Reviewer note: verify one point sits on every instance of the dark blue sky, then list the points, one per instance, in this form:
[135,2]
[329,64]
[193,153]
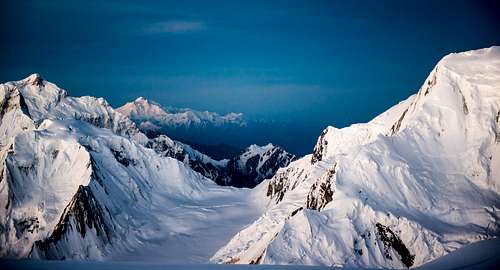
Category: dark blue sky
[303,64]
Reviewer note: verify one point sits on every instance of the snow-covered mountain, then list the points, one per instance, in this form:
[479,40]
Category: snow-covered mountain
[151,117]
[415,183]
[78,181]
[247,169]
[257,163]
[192,127]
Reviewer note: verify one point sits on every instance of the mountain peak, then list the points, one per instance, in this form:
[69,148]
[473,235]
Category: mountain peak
[142,109]
[34,79]
[141,100]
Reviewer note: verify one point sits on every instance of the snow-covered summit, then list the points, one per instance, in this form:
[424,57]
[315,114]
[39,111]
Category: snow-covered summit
[45,100]
[257,163]
[142,111]
[416,182]
[34,79]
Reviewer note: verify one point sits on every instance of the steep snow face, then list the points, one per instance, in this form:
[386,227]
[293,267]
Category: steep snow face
[208,167]
[78,182]
[151,117]
[41,173]
[413,184]
[257,163]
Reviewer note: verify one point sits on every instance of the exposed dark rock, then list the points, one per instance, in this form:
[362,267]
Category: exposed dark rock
[24,106]
[237,173]
[36,80]
[257,167]
[296,211]
[55,153]
[321,192]
[280,183]
[30,225]
[82,213]
[13,100]
[121,157]
[165,148]
[497,131]
[319,148]
[278,159]
[357,249]
[397,125]
[391,240]
[278,186]
[240,175]
[258,260]
[465,108]
[431,82]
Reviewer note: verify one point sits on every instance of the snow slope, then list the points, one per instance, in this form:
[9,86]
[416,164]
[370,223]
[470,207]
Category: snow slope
[415,183]
[79,182]
[481,255]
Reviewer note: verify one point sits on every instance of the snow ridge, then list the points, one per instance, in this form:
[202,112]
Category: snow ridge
[151,116]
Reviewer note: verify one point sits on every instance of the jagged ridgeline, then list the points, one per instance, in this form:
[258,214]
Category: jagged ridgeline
[247,169]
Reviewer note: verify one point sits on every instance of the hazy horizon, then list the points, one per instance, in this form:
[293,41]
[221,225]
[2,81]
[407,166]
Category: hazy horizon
[300,65]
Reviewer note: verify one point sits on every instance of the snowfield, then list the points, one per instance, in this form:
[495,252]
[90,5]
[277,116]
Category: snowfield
[80,181]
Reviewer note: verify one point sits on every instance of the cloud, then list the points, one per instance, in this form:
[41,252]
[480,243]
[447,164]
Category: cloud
[175,27]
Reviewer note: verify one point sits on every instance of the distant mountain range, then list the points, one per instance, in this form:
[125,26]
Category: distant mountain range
[153,118]
[185,125]
[203,129]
